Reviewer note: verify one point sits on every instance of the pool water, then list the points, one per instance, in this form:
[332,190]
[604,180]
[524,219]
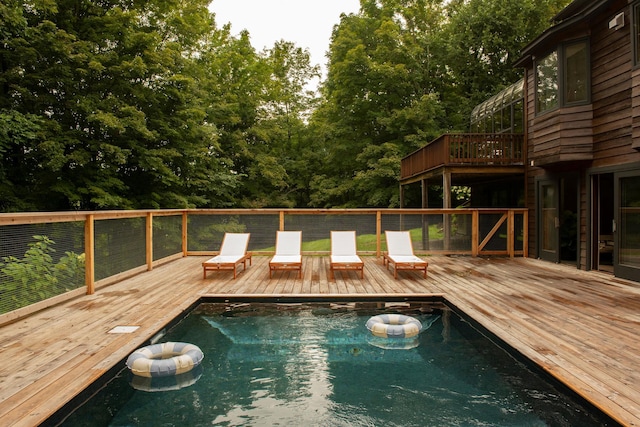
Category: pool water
[317,365]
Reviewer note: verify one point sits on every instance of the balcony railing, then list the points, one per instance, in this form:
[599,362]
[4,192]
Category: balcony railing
[479,149]
[49,257]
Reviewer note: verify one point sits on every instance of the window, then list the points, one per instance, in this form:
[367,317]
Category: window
[547,83]
[575,73]
[567,84]
[501,113]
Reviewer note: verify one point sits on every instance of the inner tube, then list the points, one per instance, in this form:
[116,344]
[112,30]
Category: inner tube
[171,383]
[394,326]
[164,359]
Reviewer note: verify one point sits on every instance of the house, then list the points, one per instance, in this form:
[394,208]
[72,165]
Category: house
[581,138]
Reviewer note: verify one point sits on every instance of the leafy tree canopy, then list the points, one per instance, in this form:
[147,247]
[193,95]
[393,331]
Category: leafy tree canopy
[125,104]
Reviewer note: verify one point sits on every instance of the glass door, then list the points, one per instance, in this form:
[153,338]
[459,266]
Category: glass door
[548,220]
[627,226]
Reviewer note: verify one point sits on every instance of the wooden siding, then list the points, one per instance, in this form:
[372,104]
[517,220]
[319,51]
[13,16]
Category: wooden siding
[581,327]
[611,68]
[562,135]
[566,140]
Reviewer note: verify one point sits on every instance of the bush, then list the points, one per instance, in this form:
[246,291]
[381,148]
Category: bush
[36,277]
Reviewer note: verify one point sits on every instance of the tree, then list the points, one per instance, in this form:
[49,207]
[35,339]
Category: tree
[483,38]
[379,101]
[278,134]
[115,87]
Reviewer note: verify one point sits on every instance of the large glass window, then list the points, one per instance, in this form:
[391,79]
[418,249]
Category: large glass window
[576,73]
[565,84]
[547,82]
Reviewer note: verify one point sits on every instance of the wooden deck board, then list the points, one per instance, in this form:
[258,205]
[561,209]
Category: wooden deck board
[583,327]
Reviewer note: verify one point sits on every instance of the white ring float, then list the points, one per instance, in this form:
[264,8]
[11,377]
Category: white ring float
[394,326]
[165,359]
[170,383]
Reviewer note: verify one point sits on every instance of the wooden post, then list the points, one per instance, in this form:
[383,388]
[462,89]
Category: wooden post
[475,232]
[378,234]
[89,254]
[185,243]
[149,241]
[424,189]
[511,238]
[525,233]
[281,220]
[446,199]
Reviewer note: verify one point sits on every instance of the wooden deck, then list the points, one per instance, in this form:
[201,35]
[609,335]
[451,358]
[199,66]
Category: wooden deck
[582,327]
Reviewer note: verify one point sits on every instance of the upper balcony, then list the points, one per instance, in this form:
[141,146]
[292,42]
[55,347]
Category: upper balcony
[487,153]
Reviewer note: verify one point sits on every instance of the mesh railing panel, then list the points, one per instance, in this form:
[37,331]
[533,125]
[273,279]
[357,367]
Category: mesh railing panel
[316,229]
[205,232]
[120,245]
[498,242]
[39,261]
[428,232]
[167,236]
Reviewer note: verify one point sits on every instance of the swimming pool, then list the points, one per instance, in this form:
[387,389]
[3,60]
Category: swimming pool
[317,365]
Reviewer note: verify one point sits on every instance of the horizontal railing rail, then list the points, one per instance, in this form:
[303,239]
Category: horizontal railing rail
[465,149]
[46,257]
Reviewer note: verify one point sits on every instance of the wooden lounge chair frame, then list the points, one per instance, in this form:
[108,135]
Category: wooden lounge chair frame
[400,253]
[288,252]
[343,253]
[233,252]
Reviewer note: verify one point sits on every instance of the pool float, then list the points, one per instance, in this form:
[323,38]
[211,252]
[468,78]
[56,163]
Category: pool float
[394,326]
[171,383]
[164,359]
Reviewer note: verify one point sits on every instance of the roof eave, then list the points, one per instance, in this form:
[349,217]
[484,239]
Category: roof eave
[575,13]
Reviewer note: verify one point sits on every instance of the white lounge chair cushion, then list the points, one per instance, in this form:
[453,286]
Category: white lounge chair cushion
[346,259]
[286,259]
[225,259]
[234,244]
[399,243]
[288,243]
[406,259]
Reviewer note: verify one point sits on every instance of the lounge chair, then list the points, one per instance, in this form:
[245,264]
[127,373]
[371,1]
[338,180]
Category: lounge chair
[400,253]
[287,257]
[233,251]
[343,253]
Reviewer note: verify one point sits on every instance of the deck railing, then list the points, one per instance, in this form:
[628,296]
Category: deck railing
[465,149]
[48,257]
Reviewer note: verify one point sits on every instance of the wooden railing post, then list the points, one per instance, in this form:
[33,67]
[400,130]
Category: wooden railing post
[149,241]
[89,254]
[378,234]
[185,243]
[525,233]
[475,232]
[281,221]
[511,231]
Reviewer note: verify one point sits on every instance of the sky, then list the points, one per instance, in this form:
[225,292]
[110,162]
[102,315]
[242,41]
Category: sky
[306,23]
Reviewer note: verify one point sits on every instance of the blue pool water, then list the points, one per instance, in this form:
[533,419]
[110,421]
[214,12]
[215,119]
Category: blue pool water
[317,365]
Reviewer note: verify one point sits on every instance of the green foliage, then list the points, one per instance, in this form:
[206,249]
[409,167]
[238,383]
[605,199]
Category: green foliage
[109,104]
[36,277]
[483,38]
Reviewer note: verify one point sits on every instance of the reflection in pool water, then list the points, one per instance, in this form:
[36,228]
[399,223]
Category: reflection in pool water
[316,365]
